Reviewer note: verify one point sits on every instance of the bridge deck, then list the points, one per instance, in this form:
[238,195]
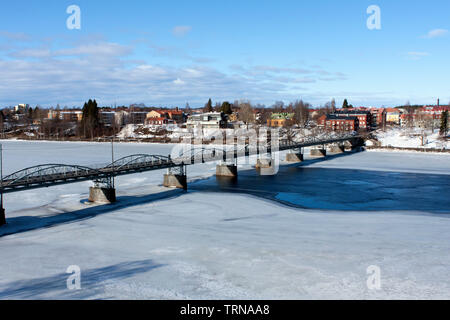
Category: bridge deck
[51,175]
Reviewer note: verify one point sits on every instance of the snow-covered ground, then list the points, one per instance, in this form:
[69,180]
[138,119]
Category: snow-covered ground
[159,243]
[176,133]
[411,138]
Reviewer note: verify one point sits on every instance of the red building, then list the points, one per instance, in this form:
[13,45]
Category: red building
[158,121]
[364,117]
[378,116]
[339,123]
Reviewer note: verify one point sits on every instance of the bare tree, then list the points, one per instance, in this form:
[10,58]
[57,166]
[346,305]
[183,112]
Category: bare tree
[421,119]
[278,106]
[265,115]
[246,113]
[409,115]
[333,105]
[301,113]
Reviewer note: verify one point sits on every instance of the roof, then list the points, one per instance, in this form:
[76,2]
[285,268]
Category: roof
[353,112]
[156,119]
[391,110]
[336,117]
[281,116]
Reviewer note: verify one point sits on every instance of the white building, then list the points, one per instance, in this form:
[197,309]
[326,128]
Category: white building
[212,120]
[21,107]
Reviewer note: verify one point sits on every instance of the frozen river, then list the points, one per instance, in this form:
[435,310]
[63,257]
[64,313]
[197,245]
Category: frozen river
[342,189]
[309,232]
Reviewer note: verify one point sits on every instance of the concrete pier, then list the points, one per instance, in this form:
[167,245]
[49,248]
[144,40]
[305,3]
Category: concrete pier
[102,195]
[267,171]
[337,149]
[263,163]
[318,153]
[178,181]
[2,217]
[353,147]
[265,167]
[226,170]
[294,157]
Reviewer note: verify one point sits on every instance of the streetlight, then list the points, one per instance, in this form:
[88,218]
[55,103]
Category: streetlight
[2,210]
[112,159]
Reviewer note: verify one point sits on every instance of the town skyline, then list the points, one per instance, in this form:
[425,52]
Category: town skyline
[168,54]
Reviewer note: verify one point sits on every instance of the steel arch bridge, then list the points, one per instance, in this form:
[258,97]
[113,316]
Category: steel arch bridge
[47,175]
[136,161]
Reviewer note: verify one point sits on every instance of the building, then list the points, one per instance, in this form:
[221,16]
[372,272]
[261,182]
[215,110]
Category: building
[281,119]
[158,121]
[137,117]
[427,116]
[211,120]
[364,117]
[233,117]
[21,107]
[65,115]
[333,122]
[176,115]
[321,121]
[393,116]
[108,118]
[378,116]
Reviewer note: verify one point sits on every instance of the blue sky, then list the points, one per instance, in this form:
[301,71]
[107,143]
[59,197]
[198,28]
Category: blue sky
[173,52]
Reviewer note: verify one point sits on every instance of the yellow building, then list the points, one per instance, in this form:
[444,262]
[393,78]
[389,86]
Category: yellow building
[280,120]
[393,116]
[233,117]
[155,114]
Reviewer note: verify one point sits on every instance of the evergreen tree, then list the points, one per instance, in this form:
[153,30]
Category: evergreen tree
[36,113]
[208,106]
[444,124]
[345,104]
[226,108]
[90,121]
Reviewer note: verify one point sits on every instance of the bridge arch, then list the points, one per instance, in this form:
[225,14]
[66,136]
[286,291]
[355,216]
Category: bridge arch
[40,171]
[136,159]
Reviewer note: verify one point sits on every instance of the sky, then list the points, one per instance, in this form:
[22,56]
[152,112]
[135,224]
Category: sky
[169,53]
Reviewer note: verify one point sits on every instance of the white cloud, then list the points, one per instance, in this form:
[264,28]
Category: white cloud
[109,72]
[178,81]
[99,49]
[416,55]
[32,53]
[436,33]
[180,31]
[15,36]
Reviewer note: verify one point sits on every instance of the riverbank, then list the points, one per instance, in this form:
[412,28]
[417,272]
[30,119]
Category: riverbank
[406,149]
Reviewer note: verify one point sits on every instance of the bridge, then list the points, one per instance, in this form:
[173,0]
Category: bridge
[103,191]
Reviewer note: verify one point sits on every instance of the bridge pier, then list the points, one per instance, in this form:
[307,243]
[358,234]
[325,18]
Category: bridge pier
[318,153]
[176,179]
[263,163]
[102,195]
[353,148]
[355,145]
[226,170]
[2,217]
[296,156]
[337,149]
[266,167]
